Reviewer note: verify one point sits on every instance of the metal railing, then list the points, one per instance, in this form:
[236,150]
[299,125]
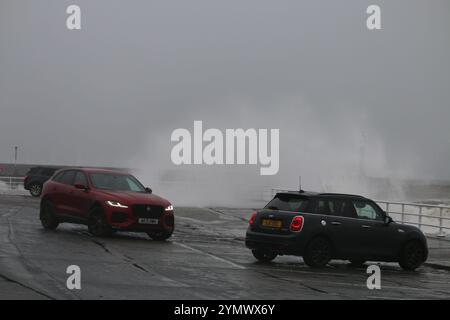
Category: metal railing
[431,219]
[11,183]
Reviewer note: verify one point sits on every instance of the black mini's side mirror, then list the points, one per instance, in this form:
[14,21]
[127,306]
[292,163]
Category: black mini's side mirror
[149,190]
[388,219]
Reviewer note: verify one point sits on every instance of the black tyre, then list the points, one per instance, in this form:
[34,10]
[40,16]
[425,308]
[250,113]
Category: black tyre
[159,236]
[47,216]
[357,262]
[264,255]
[36,189]
[97,224]
[412,255]
[318,252]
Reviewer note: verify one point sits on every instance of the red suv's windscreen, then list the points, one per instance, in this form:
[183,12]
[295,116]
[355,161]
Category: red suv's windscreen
[115,182]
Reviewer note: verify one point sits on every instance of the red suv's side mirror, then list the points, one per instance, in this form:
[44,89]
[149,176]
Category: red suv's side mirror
[80,186]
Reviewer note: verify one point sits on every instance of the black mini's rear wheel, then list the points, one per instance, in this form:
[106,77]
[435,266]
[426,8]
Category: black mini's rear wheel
[264,255]
[318,252]
[159,236]
[97,224]
[412,255]
[47,216]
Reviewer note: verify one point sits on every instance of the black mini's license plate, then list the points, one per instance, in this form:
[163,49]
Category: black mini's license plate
[148,221]
[271,223]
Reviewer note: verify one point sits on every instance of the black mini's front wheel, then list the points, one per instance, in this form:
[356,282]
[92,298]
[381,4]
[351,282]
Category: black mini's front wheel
[412,255]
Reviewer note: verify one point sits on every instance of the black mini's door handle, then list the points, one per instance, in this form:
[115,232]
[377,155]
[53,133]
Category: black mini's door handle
[335,223]
[365,226]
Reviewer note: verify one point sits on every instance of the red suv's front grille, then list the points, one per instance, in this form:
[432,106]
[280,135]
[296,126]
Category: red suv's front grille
[147,211]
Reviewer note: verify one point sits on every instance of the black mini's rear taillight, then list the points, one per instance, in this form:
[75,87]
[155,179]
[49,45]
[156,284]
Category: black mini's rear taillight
[297,224]
[252,219]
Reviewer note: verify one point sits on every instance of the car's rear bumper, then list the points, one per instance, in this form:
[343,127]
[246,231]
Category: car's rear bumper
[291,244]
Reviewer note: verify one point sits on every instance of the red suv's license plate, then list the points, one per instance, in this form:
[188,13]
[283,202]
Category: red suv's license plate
[147,221]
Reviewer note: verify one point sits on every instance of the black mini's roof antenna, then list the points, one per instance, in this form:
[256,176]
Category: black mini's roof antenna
[300,184]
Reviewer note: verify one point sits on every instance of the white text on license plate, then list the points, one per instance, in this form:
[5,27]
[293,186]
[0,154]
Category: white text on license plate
[147,221]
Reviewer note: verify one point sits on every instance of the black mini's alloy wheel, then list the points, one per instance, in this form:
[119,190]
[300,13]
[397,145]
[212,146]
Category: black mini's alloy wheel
[47,216]
[412,255]
[318,253]
[97,224]
[35,189]
[264,255]
[159,236]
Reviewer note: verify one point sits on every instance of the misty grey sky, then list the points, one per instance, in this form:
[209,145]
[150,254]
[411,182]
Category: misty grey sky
[112,93]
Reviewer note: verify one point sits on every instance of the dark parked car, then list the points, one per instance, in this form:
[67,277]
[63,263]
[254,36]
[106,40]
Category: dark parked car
[35,178]
[324,226]
[105,201]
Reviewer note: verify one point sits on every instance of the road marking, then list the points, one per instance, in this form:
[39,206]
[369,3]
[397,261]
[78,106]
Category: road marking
[10,211]
[201,221]
[211,256]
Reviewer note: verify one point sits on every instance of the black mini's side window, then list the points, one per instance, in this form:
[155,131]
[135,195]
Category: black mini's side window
[334,207]
[322,206]
[367,210]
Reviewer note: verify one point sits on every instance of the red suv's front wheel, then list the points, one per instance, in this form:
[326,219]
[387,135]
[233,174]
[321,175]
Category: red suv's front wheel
[97,224]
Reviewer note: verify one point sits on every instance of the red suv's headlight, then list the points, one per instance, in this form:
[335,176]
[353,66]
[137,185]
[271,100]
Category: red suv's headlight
[297,224]
[116,204]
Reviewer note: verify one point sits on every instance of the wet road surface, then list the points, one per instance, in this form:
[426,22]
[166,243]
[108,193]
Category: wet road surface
[205,259]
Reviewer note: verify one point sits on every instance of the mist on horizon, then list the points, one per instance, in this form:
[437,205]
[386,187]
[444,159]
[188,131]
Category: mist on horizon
[349,103]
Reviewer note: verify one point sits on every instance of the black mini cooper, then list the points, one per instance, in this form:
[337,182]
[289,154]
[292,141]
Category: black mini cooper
[324,226]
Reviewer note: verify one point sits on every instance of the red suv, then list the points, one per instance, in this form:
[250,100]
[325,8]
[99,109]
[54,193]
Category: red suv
[105,201]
